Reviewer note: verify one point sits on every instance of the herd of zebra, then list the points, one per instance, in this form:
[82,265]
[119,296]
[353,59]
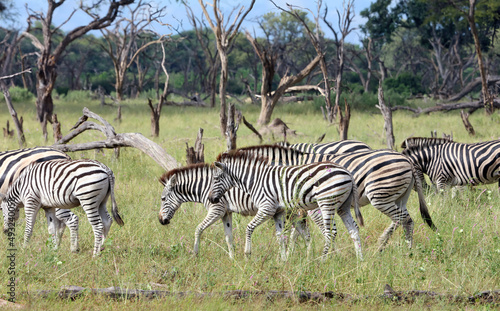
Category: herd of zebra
[279,181]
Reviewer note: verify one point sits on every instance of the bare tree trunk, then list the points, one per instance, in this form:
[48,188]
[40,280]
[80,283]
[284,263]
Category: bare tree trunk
[18,123]
[344,121]
[387,114]
[231,128]
[56,128]
[465,120]
[196,154]
[155,117]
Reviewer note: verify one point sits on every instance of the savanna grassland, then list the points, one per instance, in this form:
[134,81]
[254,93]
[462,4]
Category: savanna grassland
[462,258]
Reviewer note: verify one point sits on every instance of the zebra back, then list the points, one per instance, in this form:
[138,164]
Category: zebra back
[424,141]
[334,147]
[457,164]
[12,162]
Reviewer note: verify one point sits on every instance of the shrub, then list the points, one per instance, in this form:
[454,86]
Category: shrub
[78,96]
[19,94]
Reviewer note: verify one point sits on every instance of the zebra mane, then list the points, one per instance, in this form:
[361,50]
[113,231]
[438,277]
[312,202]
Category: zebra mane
[241,155]
[274,148]
[424,142]
[166,176]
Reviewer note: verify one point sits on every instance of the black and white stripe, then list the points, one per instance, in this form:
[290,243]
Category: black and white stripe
[334,147]
[384,179]
[12,162]
[63,184]
[192,184]
[449,163]
[274,189]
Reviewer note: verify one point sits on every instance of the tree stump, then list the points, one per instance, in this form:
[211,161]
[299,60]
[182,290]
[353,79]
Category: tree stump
[465,120]
[344,120]
[196,154]
[155,117]
[7,132]
[231,127]
[56,128]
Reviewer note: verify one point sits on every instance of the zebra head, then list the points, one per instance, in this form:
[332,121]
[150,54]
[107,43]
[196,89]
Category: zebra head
[169,200]
[221,182]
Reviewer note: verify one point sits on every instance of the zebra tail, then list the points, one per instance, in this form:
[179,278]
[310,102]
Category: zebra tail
[114,210]
[424,211]
[355,202]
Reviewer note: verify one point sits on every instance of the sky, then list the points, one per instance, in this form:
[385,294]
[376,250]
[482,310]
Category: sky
[176,13]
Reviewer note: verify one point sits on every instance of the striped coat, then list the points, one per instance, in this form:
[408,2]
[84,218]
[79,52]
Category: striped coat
[449,163]
[384,179]
[12,163]
[274,189]
[192,184]
[63,184]
[335,147]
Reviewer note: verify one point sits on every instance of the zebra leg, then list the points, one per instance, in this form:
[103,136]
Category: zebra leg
[344,213]
[397,216]
[71,220]
[54,226]
[279,224]
[213,215]
[31,208]
[95,220]
[406,218]
[262,215]
[105,218]
[227,221]
[327,213]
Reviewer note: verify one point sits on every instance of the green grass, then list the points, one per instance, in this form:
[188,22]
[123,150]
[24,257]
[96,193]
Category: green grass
[463,258]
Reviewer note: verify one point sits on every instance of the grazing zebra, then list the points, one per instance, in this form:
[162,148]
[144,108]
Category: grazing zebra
[192,184]
[273,189]
[449,163]
[12,162]
[63,184]
[384,178]
[335,147]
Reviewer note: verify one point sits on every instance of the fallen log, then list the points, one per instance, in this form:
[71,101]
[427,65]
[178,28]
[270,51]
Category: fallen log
[472,106]
[114,140]
[390,295]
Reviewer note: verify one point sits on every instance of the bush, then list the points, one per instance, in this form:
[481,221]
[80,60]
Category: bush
[78,96]
[19,94]
[405,83]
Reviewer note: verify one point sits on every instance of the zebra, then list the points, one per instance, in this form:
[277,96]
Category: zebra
[63,184]
[273,189]
[12,162]
[384,179]
[449,163]
[192,184]
[335,147]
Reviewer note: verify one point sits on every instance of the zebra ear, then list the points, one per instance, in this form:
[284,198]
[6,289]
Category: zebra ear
[220,166]
[173,180]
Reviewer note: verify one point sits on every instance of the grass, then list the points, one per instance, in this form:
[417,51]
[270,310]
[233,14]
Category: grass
[462,258]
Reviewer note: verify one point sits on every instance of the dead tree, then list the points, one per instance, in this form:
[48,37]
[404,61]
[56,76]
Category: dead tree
[252,128]
[123,44]
[196,154]
[344,23]
[344,120]
[316,40]
[224,37]
[387,114]
[156,111]
[7,132]
[231,128]
[50,56]
[113,140]
[465,119]
[56,128]
[268,59]
[18,123]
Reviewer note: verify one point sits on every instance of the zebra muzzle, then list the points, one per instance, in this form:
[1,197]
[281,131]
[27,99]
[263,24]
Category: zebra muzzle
[213,200]
[163,221]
